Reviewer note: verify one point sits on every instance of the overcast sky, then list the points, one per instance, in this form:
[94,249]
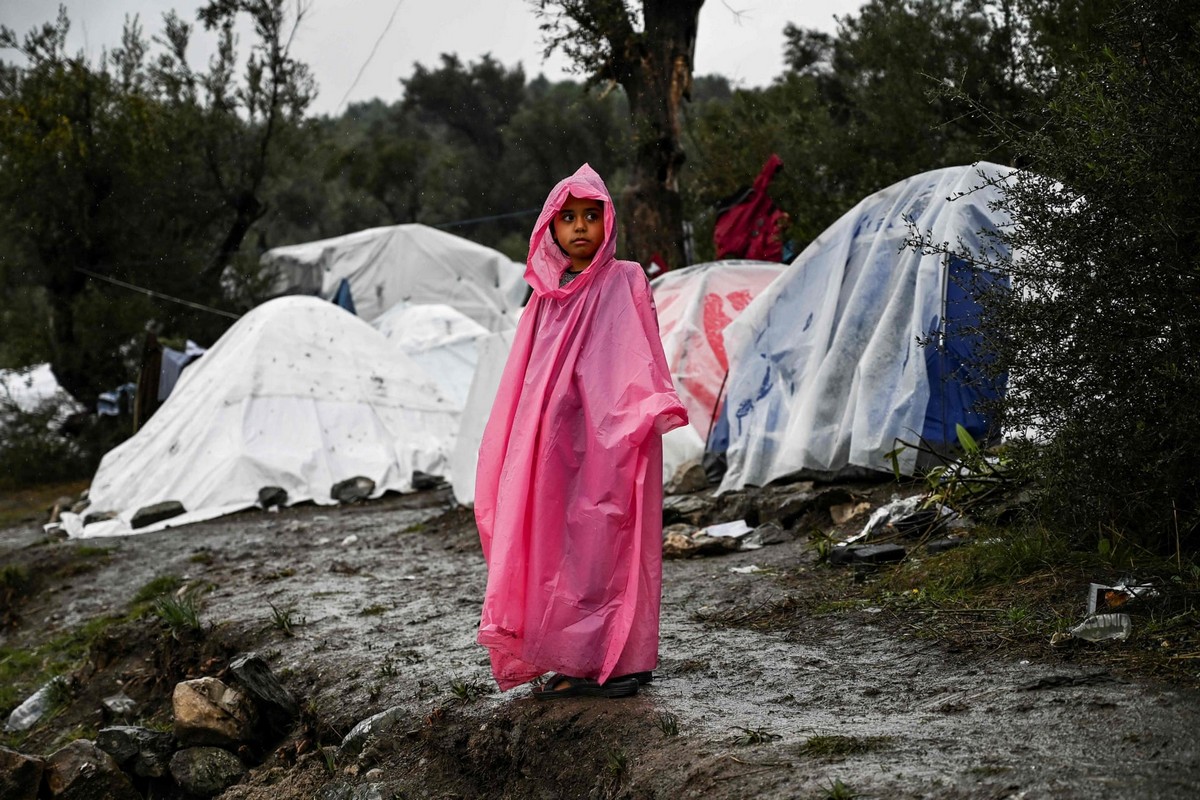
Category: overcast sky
[337,37]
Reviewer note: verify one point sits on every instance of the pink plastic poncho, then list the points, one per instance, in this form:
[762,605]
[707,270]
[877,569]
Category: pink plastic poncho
[568,493]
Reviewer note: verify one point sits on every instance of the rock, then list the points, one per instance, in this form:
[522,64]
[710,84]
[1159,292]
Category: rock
[352,490]
[82,771]
[844,512]
[677,540]
[20,775]
[206,771]
[733,506]
[377,725]
[148,515]
[147,753]
[688,478]
[119,705]
[767,533]
[275,703]
[272,496]
[691,508]
[209,712]
[684,541]
[422,481]
[99,516]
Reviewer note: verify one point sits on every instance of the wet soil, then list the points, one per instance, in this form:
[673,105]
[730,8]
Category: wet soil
[369,607]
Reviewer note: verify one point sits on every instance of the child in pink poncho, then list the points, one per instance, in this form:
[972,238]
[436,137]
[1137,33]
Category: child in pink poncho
[568,494]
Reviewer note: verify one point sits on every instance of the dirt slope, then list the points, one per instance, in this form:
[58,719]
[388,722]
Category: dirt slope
[382,601]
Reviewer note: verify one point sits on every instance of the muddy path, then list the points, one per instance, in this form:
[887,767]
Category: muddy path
[372,607]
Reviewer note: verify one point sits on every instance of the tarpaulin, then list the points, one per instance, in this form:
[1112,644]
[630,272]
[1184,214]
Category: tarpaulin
[297,394]
[829,368]
[568,494]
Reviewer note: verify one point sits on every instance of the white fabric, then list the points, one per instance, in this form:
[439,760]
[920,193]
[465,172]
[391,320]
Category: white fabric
[695,304]
[826,369]
[442,341]
[402,263]
[492,355]
[298,394]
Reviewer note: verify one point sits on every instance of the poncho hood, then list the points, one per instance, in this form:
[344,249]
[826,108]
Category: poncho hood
[546,261]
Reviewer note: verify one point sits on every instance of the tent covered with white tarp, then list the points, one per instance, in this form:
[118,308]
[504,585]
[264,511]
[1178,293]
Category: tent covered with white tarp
[493,354]
[441,340]
[827,367]
[298,394]
[412,264]
[695,304]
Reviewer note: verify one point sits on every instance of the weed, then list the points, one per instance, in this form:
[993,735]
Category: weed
[387,668]
[416,527]
[284,620]
[180,615]
[373,611]
[838,791]
[467,691]
[14,583]
[668,723]
[835,746]
[204,557]
[163,584]
[821,543]
[616,762]
[60,692]
[374,689]
[89,551]
[753,735]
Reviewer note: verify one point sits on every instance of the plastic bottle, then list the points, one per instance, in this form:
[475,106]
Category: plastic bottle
[1103,627]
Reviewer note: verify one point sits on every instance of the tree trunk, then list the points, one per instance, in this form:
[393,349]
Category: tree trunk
[655,69]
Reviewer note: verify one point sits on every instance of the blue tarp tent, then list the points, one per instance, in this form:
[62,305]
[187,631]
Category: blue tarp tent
[828,369]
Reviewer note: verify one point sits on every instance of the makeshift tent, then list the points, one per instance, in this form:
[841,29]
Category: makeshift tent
[827,367]
[493,353]
[442,341]
[695,305]
[298,394]
[403,263]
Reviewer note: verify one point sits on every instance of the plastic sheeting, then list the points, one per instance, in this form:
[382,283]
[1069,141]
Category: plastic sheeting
[695,305]
[827,370]
[412,264]
[492,352]
[297,394]
[442,341]
[568,493]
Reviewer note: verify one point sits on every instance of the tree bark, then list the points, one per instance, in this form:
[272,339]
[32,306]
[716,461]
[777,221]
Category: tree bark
[655,69]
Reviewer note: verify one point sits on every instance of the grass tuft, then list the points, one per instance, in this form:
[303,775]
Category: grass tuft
[832,746]
[754,735]
[179,615]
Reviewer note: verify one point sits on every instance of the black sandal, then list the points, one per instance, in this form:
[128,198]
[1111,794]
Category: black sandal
[563,686]
[641,677]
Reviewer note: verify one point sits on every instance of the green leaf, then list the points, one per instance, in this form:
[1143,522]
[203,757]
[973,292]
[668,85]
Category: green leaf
[966,440]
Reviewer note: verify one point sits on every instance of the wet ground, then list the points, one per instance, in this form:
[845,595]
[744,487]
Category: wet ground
[365,608]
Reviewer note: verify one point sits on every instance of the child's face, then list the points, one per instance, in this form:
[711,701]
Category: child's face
[579,229]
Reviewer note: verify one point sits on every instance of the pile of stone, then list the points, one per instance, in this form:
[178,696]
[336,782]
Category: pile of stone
[215,723]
